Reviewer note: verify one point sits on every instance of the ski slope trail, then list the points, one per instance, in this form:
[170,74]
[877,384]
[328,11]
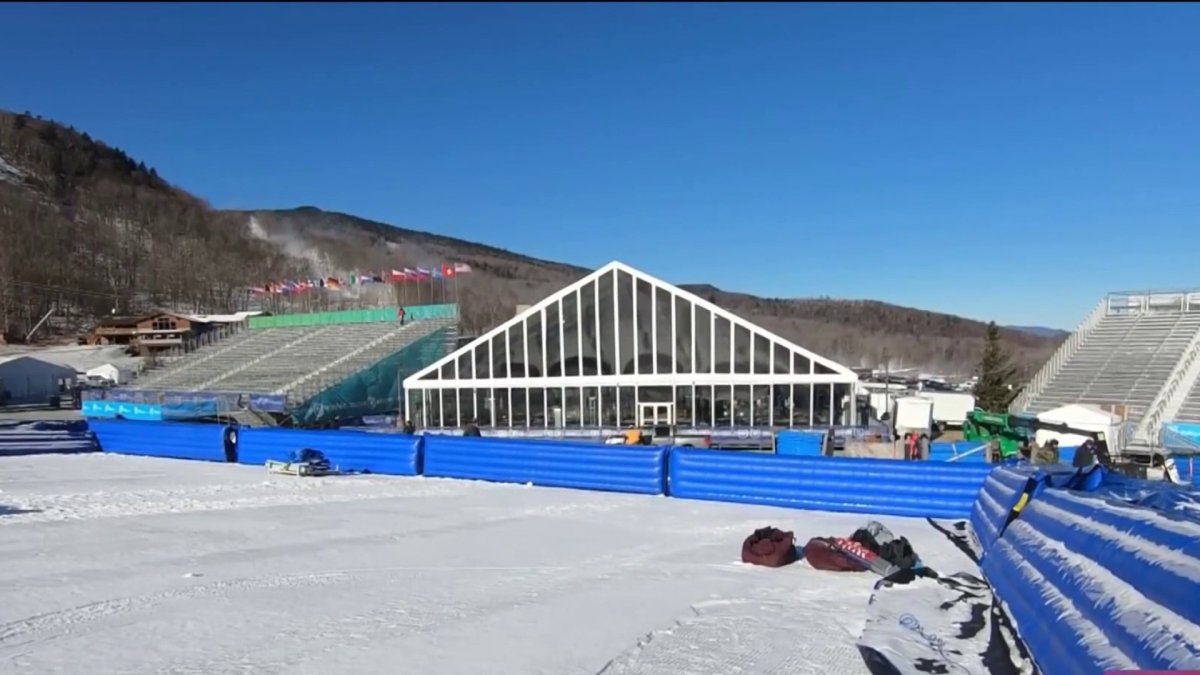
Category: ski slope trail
[140,565]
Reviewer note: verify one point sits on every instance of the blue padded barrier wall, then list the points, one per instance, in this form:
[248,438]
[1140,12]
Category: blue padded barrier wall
[180,440]
[806,443]
[575,465]
[1096,584]
[395,454]
[854,485]
[39,438]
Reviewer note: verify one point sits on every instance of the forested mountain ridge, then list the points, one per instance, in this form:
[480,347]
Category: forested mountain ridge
[88,230]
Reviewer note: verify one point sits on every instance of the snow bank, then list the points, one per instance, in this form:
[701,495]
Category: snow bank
[118,564]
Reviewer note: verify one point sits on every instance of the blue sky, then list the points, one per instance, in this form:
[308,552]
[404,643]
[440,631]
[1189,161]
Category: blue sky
[1007,162]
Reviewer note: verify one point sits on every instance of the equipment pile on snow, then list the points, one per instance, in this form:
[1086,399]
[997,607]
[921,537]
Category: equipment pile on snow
[306,462]
[769,547]
[873,548]
[918,622]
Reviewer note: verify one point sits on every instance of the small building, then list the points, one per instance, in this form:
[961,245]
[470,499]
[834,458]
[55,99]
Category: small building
[161,330]
[25,379]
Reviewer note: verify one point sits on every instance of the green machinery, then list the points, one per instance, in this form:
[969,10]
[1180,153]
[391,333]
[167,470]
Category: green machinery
[1010,432]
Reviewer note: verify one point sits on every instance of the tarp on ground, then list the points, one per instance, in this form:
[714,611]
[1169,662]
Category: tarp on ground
[951,624]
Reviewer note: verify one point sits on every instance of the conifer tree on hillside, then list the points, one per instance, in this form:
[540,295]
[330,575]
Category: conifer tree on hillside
[992,392]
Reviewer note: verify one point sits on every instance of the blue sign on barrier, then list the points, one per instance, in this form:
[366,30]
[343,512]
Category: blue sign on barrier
[143,412]
[574,465]
[179,440]
[880,486]
[1181,436]
[269,403]
[394,454]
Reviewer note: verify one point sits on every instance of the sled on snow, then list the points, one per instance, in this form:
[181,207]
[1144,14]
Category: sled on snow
[307,462]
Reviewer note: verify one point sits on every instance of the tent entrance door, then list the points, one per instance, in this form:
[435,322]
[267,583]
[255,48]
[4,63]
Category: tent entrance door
[656,414]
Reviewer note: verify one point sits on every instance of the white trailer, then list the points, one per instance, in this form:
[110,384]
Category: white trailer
[912,414]
[950,408]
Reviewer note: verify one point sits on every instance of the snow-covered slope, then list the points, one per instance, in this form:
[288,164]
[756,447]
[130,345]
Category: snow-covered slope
[138,565]
[10,173]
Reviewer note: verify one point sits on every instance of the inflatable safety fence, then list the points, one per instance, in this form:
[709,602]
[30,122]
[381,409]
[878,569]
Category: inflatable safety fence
[1097,575]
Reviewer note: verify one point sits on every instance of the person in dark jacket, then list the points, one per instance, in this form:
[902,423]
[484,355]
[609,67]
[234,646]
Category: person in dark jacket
[409,427]
[1085,456]
[472,429]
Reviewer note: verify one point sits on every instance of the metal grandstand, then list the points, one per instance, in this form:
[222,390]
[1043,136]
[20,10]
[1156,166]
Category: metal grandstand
[1136,351]
[293,360]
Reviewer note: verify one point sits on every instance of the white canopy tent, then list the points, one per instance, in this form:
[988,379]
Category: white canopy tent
[1079,416]
[110,372]
[620,347]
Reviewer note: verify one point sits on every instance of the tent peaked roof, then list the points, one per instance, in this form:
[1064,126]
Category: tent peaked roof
[699,302]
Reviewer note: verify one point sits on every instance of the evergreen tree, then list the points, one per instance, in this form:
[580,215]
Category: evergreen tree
[992,392]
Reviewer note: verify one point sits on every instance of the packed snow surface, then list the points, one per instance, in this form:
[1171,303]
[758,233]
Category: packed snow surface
[136,565]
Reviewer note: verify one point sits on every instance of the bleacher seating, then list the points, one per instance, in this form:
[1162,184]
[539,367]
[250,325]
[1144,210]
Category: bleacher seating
[1125,360]
[1190,410]
[295,361]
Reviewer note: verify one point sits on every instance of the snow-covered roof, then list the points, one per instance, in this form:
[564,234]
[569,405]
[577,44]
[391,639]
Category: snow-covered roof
[80,357]
[6,360]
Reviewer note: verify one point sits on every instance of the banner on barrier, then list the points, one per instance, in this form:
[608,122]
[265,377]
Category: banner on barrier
[101,409]
[269,403]
[132,396]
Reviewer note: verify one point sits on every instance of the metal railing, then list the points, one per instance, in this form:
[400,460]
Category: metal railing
[1060,357]
[1160,301]
[1173,394]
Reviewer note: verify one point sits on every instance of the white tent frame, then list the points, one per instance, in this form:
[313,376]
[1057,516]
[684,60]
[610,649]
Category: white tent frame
[428,379]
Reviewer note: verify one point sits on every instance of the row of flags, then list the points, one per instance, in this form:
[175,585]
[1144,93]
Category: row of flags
[443,272]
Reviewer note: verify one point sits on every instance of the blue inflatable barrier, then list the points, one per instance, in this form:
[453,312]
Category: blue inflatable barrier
[1001,491]
[394,454]
[574,465]
[854,485]
[1095,582]
[178,440]
[804,443]
[40,438]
